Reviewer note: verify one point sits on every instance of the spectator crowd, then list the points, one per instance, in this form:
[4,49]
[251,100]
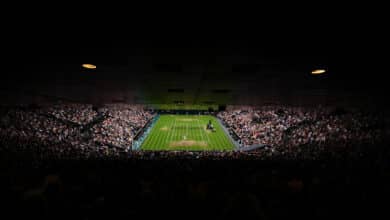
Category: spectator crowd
[292,130]
[74,131]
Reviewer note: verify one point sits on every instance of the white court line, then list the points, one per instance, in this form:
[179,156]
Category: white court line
[186,130]
[201,132]
[172,132]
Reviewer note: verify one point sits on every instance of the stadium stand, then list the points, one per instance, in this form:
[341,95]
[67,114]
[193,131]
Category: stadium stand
[282,131]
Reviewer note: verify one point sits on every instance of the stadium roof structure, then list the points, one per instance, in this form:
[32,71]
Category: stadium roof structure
[252,71]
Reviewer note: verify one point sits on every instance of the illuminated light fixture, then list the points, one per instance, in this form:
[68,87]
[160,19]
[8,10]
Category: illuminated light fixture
[318,71]
[88,66]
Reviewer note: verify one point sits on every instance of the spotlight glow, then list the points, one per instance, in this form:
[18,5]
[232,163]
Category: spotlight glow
[88,66]
[318,71]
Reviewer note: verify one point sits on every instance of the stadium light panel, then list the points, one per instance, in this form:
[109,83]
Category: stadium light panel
[89,66]
[318,71]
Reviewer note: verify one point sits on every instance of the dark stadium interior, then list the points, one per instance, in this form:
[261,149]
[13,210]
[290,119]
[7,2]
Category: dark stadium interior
[248,71]
[348,181]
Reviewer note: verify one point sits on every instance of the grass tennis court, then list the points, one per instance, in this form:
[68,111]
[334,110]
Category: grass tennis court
[186,132]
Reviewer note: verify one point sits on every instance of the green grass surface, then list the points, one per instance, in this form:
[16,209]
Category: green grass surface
[186,132]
